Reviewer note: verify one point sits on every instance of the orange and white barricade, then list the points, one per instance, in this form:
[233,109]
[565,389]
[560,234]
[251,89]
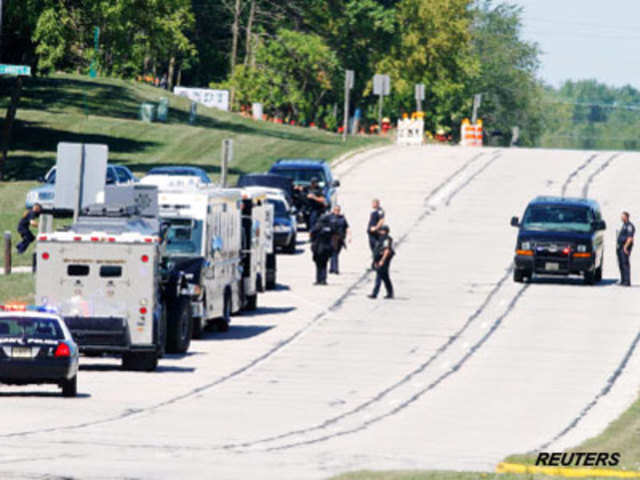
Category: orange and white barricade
[471,135]
[410,131]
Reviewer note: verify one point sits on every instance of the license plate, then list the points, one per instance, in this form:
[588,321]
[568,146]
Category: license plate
[552,267]
[21,352]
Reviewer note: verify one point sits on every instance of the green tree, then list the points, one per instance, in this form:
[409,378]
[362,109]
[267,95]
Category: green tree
[507,76]
[433,46]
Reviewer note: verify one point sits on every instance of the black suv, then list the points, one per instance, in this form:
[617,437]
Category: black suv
[560,236]
[301,171]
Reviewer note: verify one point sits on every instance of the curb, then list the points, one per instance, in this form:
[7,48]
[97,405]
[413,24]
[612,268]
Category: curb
[568,472]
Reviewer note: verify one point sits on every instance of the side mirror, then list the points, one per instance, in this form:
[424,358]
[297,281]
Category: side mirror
[515,222]
[599,225]
[336,183]
[164,228]
[41,179]
[216,245]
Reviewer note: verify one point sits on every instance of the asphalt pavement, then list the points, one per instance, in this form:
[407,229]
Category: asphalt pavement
[463,368]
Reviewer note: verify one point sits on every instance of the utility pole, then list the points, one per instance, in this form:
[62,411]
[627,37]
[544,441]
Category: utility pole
[477,100]
[227,156]
[419,96]
[348,85]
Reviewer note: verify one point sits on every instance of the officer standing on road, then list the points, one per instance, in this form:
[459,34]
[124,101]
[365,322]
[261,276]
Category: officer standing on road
[382,261]
[376,220]
[624,246]
[321,247]
[317,200]
[28,220]
[341,235]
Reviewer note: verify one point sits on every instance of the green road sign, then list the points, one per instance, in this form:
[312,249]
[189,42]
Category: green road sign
[15,70]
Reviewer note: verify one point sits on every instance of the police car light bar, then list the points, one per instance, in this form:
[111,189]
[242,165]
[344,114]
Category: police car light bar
[22,307]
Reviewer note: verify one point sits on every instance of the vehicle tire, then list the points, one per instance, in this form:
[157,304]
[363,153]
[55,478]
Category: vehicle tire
[225,320]
[70,387]
[598,274]
[291,247]
[179,326]
[252,302]
[589,278]
[196,328]
[140,361]
[270,283]
[518,275]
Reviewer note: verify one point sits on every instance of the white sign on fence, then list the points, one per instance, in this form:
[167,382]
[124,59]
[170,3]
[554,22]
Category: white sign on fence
[206,96]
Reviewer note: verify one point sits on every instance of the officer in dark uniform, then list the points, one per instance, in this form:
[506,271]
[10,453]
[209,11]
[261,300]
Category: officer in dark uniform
[317,201]
[376,220]
[624,246]
[321,247]
[382,261]
[341,235]
[28,220]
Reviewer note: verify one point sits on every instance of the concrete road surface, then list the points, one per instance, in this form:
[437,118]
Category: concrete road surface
[463,368]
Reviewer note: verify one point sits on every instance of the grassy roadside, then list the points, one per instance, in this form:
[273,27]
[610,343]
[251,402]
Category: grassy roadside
[17,287]
[622,435]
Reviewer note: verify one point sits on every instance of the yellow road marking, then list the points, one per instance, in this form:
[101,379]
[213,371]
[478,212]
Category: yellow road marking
[571,472]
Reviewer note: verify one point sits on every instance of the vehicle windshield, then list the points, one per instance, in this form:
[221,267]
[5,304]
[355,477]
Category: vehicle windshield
[179,172]
[557,218]
[183,236]
[30,327]
[279,207]
[302,176]
[51,178]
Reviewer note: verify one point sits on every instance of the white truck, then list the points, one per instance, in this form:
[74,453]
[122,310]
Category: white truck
[102,275]
[203,238]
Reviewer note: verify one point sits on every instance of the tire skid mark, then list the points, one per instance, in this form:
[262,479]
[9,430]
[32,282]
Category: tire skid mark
[471,178]
[604,391]
[129,413]
[416,396]
[601,168]
[575,173]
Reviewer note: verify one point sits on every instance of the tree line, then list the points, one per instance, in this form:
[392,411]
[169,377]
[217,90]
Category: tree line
[291,56]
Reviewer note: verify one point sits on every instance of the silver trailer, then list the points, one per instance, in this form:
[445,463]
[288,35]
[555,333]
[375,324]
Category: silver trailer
[203,239]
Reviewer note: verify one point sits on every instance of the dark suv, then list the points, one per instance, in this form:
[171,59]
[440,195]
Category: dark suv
[301,171]
[560,236]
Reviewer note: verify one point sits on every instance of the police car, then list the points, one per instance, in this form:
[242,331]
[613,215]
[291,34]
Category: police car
[36,347]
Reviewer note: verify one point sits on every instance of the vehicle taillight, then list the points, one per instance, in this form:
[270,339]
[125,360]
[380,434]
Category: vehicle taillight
[42,238]
[77,239]
[94,239]
[45,255]
[148,239]
[62,350]
[144,258]
[566,251]
[112,239]
[143,310]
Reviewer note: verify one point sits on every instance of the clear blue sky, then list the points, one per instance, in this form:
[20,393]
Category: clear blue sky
[585,39]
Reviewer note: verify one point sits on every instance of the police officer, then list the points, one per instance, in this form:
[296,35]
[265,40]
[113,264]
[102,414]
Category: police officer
[28,220]
[321,247]
[376,220]
[382,261]
[317,202]
[624,246]
[341,235]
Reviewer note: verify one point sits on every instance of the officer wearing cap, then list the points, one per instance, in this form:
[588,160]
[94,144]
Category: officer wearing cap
[624,246]
[382,261]
[317,201]
[376,220]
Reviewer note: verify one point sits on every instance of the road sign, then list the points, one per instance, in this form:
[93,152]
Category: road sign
[23,70]
[349,77]
[477,100]
[81,172]
[420,91]
[381,84]
[227,157]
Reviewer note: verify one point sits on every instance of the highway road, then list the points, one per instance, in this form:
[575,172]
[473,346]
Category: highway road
[463,368]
